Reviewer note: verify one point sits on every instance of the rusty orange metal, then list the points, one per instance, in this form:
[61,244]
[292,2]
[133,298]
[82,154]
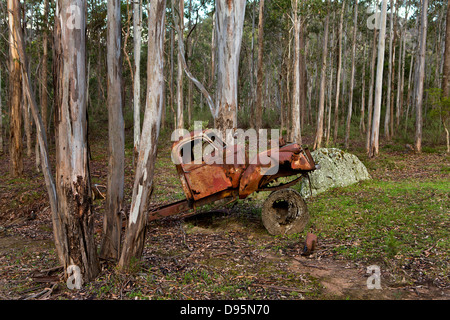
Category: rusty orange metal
[205,182]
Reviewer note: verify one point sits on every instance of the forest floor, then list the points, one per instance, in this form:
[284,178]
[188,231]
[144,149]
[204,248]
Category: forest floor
[398,221]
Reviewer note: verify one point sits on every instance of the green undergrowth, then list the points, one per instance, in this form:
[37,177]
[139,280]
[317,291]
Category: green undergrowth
[380,220]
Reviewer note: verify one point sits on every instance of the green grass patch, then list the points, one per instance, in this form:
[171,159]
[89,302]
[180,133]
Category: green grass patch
[382,220]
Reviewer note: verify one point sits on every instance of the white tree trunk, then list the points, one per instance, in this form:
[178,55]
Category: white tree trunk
[388,101]
[338,75]
[229,25]
[352,78]
[72,168]
[296,135]
[320,117]
[180,100]
[137,27]
[143,181]
[373,150]
[420,76]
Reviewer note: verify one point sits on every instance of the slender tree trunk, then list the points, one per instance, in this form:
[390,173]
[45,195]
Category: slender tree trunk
[362,126]
[190,48]
[373,150]
[388,94]
[420,76]
[295,108]
[320,120]
[15,93]
[409,93]
[399,79]
[75,243]
[352,78]
[446,64]
[260,75]
[329,90]
[171,84]
[213,55]
[143,182]
[44,90]
[229,24]
[26,117]
[180,100]
[391,108]
[338,75]
[302,66]
[112,223]
[137,27]
[371,87]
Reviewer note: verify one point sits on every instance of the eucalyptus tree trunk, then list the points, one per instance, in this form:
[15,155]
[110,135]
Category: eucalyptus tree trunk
[362,126]
[74,231]
[137,27]
[323,75]
[180,100]
[374,144]
[229,25]
[352,78]
[213,55]
[387,118]
[44,90]
[371,85]
[391,108]
[338,75]
[15,92]
[260,75]
[112,222]
[143,182]
[401,69]
[295,133]
[420,76]
[446,65]
[329,90]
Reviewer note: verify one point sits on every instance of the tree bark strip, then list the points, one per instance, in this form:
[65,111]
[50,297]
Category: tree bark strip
[143,182]
[420,76]
[112,223]
[76,246]
[352,79]
[374,143]
[15,92]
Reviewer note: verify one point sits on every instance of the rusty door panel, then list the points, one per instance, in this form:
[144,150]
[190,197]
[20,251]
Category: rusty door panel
[207,180]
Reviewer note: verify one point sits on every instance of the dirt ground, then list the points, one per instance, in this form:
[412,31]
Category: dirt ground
[212,256]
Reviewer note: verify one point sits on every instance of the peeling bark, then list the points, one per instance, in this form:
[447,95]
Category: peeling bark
[15,92]
[229,26]
[143,182]
[112,223]
[74,230]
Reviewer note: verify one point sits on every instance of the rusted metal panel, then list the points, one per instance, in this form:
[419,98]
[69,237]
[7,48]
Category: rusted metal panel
[206,180]
[169,210]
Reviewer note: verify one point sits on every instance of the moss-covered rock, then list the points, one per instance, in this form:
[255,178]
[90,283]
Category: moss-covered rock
[337,169]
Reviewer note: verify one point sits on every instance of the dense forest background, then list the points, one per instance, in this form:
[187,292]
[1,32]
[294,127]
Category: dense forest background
[277,49]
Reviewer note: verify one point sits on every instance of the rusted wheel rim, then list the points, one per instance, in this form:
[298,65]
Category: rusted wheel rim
[284,212]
